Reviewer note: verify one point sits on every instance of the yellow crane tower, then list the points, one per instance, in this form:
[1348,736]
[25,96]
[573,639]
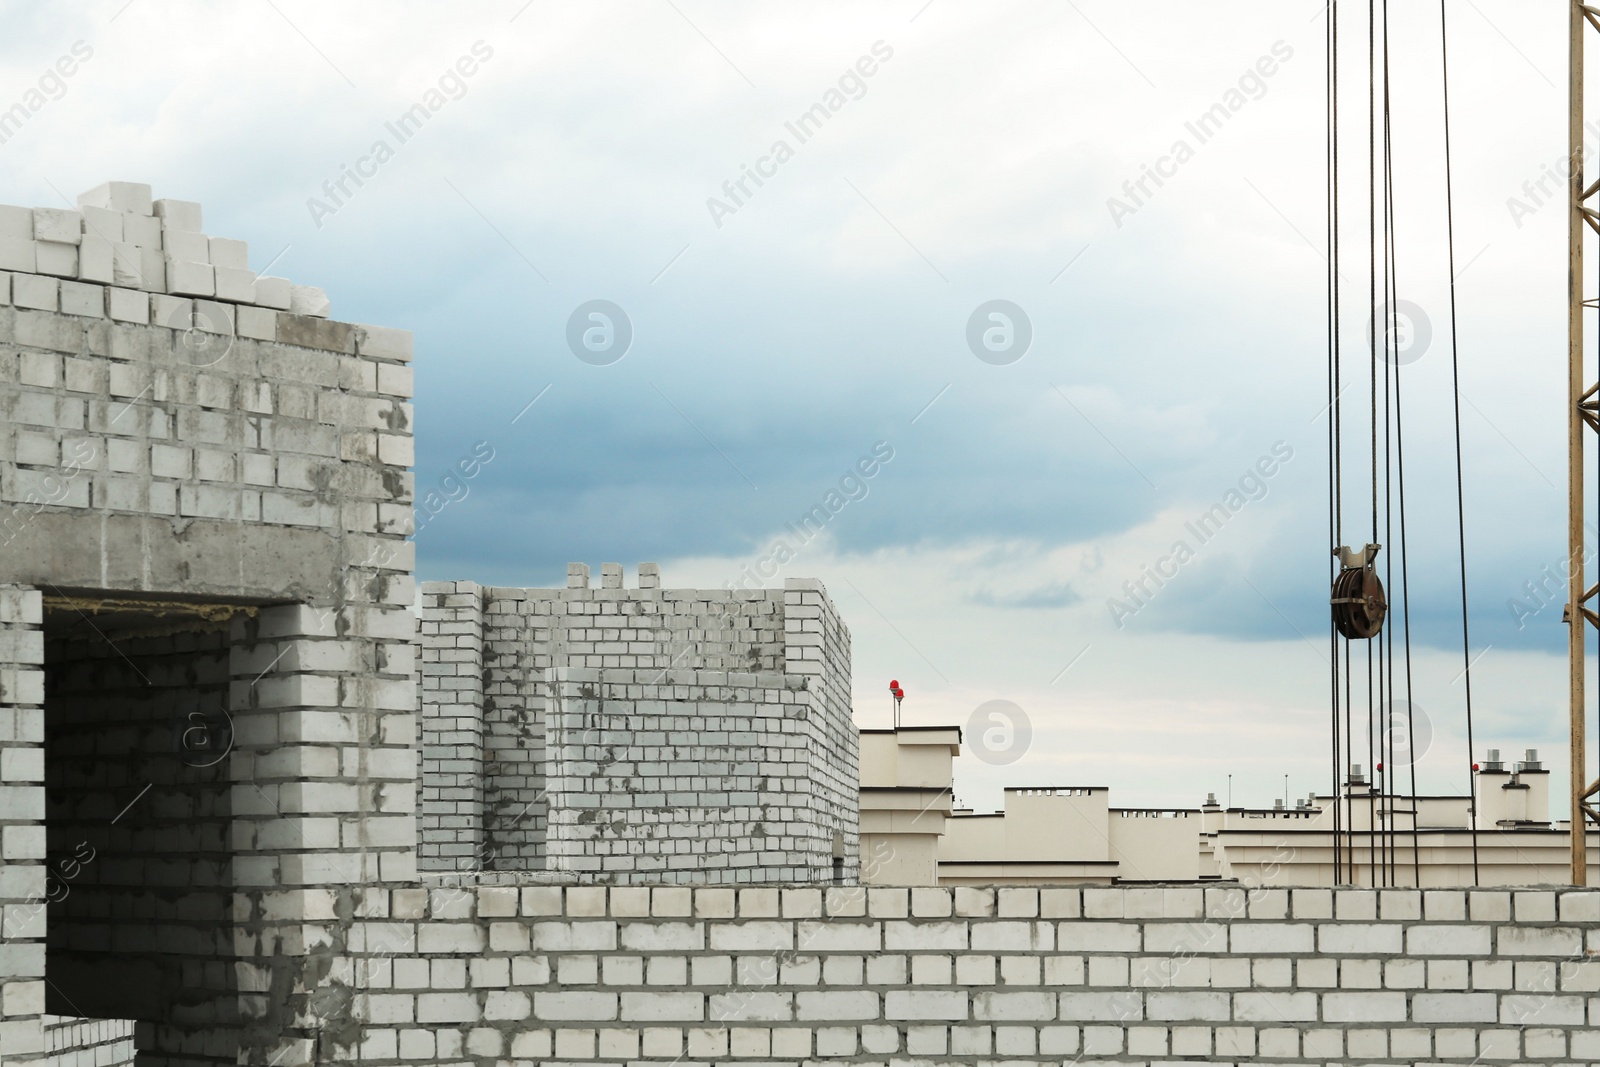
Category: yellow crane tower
[1583,411]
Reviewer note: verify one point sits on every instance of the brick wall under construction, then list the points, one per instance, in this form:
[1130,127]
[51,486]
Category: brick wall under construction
[637,735]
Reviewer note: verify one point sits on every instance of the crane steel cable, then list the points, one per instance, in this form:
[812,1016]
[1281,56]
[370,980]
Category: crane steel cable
[1394,474]
[1335,452]
[1358,600]
[1392,349]
[1373,662]
[1455,381]
[1385,641]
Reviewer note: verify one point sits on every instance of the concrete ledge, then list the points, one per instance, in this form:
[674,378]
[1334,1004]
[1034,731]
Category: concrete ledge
[140,553]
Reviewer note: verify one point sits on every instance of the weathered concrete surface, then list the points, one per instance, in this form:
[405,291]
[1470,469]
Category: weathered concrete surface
[197,557]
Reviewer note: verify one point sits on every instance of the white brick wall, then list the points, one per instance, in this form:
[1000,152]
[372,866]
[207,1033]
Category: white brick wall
[22,845]
[71,1042]
[712,765]
[143,458]
[763,975]
[451,820]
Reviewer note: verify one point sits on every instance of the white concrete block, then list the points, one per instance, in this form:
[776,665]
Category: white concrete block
[663,937]
[1268,937]
[753,937]
[35,291]
[56,258]
[1368,1008]
[1447,941]
[1275,1007]
[16,222]
[257,322]
[227,252]
[102,222]
[127,264]
[588,1007]
[190,279]
[236,285]
[1041,1005]
[273,292]
[213,317]
[131,197]
[1536,906]
[1564,942]
[1098,937]
[901,1005]
[504,1005]
[385,343]
[1454,1008]
[1580,907]
[95,257]
[23,802]
[1186,938]
[78,298]
[128,305]
[574,937]
[141,230]
[179,214]
[309,300]
[462,938]
[1013,936]
[173,312]
[22,842]
[57,224]
[17,253]
[1367,939]
[668,1007]
[152,270]
[1445,905]
[452,1008]
[184,244]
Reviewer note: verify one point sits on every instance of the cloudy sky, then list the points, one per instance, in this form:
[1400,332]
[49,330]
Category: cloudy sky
[785,330]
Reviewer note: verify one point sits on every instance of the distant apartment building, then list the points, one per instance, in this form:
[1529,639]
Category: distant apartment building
[912,834]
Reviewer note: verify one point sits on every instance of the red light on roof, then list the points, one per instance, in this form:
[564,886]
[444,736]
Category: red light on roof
[894,683]
[1380,766]
[1474,766]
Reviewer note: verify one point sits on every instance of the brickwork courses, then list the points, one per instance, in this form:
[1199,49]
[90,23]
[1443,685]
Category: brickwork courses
[590,975]
[647,734]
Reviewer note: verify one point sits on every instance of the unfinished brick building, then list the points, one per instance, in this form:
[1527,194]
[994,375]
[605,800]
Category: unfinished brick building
[207,712]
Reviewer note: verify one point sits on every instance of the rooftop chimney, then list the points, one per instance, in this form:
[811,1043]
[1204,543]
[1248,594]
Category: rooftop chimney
[1493,762]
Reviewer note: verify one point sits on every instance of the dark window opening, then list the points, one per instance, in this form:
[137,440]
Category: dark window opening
[138,821]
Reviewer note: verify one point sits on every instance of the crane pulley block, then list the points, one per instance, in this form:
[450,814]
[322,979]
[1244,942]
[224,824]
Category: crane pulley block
[1358,601]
